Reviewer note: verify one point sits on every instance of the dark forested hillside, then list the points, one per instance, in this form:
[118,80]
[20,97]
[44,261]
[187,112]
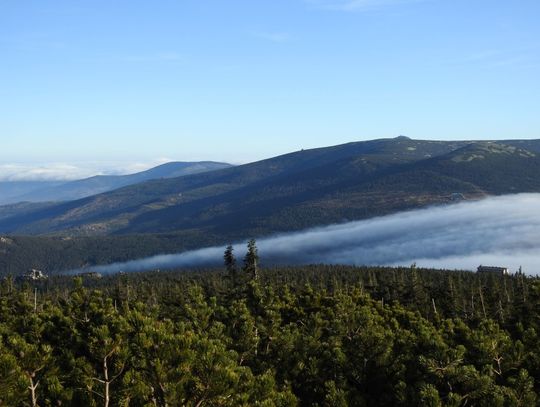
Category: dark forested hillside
[297,190]
[306,336]
[18,254]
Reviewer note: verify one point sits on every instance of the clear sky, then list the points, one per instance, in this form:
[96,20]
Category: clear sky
[146,81]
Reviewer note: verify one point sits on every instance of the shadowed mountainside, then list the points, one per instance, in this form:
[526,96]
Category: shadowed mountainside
[297,190]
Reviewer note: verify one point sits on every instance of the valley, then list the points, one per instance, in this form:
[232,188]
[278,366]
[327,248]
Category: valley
[289,193]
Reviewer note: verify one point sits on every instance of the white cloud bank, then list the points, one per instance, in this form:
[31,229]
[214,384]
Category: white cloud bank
[503,231]
[62,171]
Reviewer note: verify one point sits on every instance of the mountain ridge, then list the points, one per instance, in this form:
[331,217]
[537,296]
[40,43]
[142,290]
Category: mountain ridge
[72,190]
[297,190]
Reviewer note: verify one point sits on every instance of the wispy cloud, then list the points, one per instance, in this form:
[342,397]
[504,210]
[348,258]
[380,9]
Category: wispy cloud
[498,58]
[502,231]
[358,5]
[483,55]
[272,36]
[166,56]
[33,44]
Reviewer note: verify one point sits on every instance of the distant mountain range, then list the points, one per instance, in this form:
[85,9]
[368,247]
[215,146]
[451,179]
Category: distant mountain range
[11,191]
[49,191]
[293,191]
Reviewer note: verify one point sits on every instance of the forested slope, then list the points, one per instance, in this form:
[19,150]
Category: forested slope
[56,254]
[296,191]
[310,336]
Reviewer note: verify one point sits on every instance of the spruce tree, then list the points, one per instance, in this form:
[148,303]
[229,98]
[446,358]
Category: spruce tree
[230,264]
[251,260]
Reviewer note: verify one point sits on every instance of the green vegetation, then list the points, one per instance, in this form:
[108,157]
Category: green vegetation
[295,191]
[244,336]
[55,254]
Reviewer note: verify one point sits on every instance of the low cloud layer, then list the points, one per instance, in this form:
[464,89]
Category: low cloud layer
[61,171]
[502,231]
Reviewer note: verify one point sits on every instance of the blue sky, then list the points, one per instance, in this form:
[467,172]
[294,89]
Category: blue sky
[146,81]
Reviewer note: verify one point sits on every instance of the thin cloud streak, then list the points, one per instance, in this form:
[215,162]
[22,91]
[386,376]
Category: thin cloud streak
[168,56]
[359,5]
[501,231]
[277,37]
[526,57]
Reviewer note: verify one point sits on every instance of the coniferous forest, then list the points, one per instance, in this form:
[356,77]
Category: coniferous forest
[246,336]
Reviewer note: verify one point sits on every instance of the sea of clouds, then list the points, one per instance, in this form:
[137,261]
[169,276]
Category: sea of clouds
[64,171]
[502,231]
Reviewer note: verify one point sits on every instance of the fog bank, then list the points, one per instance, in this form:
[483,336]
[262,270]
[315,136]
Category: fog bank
[503,231]
[71,171]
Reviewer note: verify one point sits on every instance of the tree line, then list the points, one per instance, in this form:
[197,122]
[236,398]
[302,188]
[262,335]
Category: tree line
[245,336]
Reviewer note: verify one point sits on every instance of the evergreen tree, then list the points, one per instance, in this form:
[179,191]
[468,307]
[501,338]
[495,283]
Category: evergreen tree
[230,265]
[251,261]
[311,335]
